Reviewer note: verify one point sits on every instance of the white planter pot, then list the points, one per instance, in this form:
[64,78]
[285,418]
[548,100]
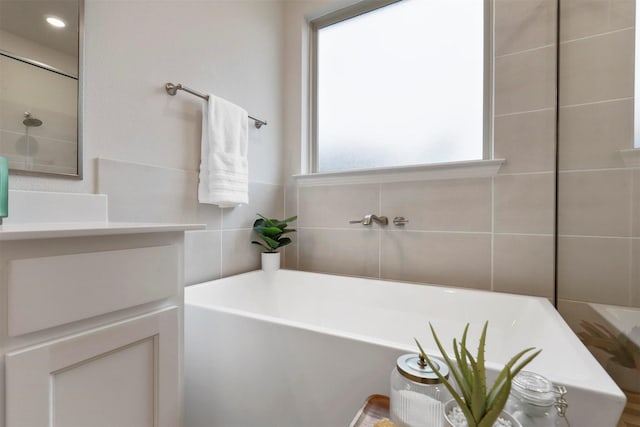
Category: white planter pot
[270,261]
[451,403]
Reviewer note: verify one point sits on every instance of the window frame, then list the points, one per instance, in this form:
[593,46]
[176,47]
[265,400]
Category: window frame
[365,6]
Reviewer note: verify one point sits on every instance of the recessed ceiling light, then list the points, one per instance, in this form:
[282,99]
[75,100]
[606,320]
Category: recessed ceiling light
[56,22]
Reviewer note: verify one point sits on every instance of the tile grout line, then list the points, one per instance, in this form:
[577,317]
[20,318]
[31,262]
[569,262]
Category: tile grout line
[603,101]
[493,220]
[299,239]
[516,113]
[531,49]
[380,233]
[630,249]
[605,33]
[221,246]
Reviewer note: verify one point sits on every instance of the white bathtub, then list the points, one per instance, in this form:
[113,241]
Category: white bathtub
[296,349]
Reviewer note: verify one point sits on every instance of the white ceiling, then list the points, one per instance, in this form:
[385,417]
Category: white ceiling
[26,18]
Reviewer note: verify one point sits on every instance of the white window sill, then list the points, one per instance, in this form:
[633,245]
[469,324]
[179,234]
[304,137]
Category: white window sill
[631,157]
[451,170]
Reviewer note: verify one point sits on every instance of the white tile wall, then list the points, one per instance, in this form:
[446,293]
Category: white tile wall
[453,259]
[443,205]
[595,203]
[143,193]
[350,252]
[238,254]
[597,68]
[524,264]
[523,24]
[527,141]
[329,206]
[593,134]
[525,81]
[202,255]
[594,269]
[525,203]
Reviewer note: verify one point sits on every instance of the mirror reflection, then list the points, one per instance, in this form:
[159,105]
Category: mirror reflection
[599,188]
[39,85]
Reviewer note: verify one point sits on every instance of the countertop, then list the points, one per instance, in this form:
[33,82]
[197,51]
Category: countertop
[80,229]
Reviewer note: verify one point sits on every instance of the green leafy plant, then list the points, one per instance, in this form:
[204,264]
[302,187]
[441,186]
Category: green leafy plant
[622,350]
[272,232]
[481,407]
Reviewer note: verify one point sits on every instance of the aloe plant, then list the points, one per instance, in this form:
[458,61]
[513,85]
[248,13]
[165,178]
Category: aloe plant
[622,350]
[272,232]
[481,407]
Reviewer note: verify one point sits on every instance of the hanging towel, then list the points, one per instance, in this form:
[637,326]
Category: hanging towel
[223,178]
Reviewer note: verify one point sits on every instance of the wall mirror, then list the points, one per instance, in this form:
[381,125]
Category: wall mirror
[40,86]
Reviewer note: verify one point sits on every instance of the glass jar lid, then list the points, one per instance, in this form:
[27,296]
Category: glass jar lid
[534,389]
[415,368]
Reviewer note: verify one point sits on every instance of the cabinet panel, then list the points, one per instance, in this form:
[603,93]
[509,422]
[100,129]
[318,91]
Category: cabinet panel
[126,374]
[50,291]
[84,394]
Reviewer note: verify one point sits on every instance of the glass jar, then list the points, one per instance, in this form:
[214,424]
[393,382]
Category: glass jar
[417,394]
[533,401]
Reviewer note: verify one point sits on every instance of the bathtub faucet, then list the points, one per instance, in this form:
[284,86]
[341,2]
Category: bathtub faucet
[383,220]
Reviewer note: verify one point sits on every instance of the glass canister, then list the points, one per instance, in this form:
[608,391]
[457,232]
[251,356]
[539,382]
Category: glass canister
[417,395]
[533,401]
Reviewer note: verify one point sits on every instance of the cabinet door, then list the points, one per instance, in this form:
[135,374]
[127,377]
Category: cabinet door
[127,374]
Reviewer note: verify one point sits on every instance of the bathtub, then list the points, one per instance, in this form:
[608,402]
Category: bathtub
[297,349]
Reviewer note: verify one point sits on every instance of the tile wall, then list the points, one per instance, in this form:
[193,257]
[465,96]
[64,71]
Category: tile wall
[485,233]
[144,193]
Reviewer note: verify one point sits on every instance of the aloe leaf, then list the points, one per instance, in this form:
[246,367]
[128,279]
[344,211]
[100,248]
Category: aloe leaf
[269,221]
[515,371]
[464,368]
[460,400]
[293,218]
[480,359]
[289,230]
[477,402]
[506,371]
[493,412]
[457,375]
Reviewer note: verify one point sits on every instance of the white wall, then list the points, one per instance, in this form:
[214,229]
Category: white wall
[231,48]
[149,142]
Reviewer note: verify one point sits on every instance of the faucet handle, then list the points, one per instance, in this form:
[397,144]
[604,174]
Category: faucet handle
[356,221]
[400,221]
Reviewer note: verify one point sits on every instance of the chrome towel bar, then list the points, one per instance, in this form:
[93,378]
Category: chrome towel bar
[172,89]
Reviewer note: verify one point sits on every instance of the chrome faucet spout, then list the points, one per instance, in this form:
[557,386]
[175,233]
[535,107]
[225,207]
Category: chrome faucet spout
[383,220]
[369,218]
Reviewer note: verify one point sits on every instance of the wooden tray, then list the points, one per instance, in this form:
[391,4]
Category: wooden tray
[375,408]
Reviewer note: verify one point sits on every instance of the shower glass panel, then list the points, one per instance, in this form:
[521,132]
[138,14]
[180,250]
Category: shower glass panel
[598,259]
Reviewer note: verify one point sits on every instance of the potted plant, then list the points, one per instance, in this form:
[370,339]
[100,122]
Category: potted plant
[479,406]
[272,233]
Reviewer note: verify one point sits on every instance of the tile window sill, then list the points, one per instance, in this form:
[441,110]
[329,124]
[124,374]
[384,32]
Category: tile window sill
[435,171]
[631,157]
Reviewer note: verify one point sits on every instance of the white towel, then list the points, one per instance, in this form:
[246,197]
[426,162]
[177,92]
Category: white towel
[223,154]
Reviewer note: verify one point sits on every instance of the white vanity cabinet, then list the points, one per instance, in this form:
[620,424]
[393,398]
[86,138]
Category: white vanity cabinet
[91,327]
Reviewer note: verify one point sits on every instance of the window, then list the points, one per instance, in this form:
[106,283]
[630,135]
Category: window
[398,85]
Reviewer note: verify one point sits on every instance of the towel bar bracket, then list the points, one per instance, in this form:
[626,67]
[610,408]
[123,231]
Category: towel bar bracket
[173,89]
